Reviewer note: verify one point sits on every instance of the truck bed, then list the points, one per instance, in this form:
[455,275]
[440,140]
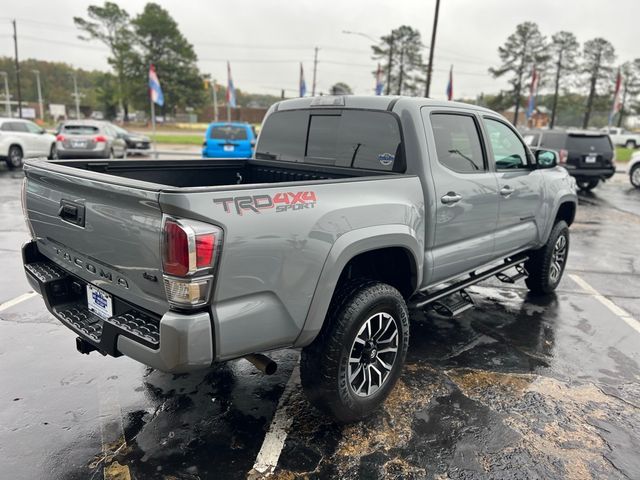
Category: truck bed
[216,172]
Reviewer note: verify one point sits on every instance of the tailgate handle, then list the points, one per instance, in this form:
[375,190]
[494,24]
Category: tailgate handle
[71,212]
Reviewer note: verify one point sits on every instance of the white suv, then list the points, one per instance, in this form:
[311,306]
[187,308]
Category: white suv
[24,139]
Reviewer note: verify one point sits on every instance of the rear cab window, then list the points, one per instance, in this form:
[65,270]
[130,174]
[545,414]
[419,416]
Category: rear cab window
[363,139]
[228,132]
[457,140]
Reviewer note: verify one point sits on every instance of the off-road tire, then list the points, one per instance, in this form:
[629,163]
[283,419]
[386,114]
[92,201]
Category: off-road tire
[539,265]
[15,157]
[324,365]
[588,185]
[634,175]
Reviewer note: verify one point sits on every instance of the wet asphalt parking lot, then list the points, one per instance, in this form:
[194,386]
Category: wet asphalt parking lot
[518,387]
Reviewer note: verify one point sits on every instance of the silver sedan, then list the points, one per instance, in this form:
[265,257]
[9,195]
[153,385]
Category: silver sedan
[89,139]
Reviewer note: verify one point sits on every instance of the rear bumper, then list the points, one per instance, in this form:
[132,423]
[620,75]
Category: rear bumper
[175,342]
[591,173]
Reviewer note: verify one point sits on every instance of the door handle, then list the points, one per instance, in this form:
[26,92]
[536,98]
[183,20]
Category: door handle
[451,198]
[506,191]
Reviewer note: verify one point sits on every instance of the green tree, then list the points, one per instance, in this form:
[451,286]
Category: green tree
[341,88]
[564,48]
[631,87]
[400,54]
[160,42]
[598,57]
[110,25]
[523,49]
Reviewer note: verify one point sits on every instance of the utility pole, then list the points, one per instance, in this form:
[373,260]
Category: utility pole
[215,101]
[39,94]
[15,46]
[555,93]
[7,97]
[390,65]
[76,96]
[315,69]
[431,49]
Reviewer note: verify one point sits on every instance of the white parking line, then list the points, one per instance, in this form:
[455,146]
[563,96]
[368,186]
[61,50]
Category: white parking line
[622,314]
[269,453]
[15,301]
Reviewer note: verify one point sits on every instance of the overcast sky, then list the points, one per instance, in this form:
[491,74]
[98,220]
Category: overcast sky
[266,39]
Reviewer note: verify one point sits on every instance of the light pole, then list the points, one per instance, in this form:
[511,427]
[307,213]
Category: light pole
[39,94]
[76,95]
[389,65]
[7,97]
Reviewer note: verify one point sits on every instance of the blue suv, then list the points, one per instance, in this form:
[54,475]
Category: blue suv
[229,140]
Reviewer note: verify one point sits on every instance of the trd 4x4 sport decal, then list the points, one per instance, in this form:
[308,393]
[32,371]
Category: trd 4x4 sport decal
[281,202]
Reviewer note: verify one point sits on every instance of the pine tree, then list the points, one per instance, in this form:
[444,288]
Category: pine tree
[564,47]
[400,54]
[598,57]
[523,49]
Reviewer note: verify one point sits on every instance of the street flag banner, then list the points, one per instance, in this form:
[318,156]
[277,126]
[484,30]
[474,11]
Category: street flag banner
[154,87]
[450,84]
[379,84]
[303,84]
[533,92]
[231,91]
[617,97]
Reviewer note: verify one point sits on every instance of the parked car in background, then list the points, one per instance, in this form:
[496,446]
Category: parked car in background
[21,139]
[229,140]
[134,141]
[634,170]
[622,137]
[89,139]
[588,156]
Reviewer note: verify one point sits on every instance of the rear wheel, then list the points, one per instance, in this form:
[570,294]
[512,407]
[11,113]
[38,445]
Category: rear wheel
[53,153]
[546,265]
[630,144]
[15,156]
[588,185]
[634,175]
[353,364]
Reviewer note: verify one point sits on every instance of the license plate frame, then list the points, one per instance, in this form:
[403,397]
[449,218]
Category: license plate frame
[99,302]
[591,158]
[228,148]
[78,144]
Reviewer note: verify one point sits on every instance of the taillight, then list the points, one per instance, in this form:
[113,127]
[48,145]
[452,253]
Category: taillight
[100,139]
[564,154]
[59,138]
[190,252]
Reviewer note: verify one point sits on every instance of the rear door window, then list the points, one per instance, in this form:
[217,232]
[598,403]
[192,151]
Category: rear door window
[228,132]
[19,127]
[458,142]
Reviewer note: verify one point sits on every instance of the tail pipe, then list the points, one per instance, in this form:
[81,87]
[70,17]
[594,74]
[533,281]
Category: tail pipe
[262,363]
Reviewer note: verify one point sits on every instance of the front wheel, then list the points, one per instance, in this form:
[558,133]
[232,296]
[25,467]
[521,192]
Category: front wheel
[353,364]
[546,265]
[588,185]
[634,175]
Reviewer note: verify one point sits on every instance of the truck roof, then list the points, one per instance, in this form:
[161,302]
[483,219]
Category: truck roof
[370,102]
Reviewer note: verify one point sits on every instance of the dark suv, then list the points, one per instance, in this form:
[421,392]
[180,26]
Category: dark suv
[588,156]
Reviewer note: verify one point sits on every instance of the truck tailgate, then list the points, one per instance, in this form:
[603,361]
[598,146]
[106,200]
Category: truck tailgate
[107,233]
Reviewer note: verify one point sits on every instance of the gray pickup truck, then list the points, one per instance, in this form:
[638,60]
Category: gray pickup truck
[352,210]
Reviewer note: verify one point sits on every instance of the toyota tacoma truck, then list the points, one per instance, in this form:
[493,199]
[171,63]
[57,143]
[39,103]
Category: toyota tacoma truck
[351,210]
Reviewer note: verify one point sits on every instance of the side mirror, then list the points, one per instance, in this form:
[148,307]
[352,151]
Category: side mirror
[42,131]
[546,158]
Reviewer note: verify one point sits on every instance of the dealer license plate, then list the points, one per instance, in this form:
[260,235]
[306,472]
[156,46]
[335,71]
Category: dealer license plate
[99,302]
[228,148]
[591,158]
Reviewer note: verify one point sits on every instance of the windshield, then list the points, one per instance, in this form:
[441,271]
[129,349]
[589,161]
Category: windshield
[80,129]
[228,132]
[586,143]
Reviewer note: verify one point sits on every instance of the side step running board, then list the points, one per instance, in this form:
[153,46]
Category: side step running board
[521,272]
[425,298]
[454,304]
